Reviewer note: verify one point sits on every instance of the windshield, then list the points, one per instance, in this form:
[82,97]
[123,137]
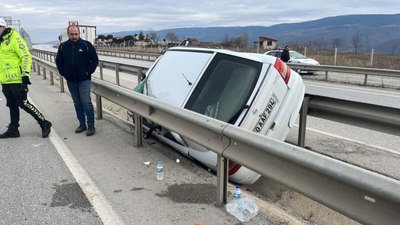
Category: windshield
[225,87]
[296,55]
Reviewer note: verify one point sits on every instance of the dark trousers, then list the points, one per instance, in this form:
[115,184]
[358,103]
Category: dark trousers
[17,98]
[80,93]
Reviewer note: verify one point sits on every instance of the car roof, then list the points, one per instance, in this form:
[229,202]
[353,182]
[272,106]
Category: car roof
[251,56]
[280,50]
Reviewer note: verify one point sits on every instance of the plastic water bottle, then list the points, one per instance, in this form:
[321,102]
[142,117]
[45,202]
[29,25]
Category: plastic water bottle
[242,208]
[238,193]
[160,171]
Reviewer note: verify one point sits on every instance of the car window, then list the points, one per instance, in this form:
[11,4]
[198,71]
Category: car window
[272,53]
[275,54]
[172,78]
[296,55]
[225,87]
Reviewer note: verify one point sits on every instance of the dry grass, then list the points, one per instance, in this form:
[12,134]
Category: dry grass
[325,58]
[357,60]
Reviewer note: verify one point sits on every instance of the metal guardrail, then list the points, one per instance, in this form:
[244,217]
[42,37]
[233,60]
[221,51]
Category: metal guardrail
[139,71]
[373,117]
[360,194]
[351,70]
[346,69]
[129,55]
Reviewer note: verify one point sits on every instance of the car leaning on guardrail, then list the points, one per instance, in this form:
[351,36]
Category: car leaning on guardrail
[253,91]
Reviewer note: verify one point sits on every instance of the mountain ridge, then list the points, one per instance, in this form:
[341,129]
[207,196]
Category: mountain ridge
[377,31]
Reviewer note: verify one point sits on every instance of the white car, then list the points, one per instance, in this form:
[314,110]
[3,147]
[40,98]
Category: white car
[295,57]
[253,91]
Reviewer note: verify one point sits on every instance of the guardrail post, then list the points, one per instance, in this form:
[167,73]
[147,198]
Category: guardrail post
[222,180]
[101,70]
[99,110]
[51,78]
[34,66]
[303,122]
[44,73]
[138,141]
[61,84]
[365,79]
[326,75]
[117,74]
[38,72]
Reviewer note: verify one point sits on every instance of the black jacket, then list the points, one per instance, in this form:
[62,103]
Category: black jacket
[76,62]
[285,55]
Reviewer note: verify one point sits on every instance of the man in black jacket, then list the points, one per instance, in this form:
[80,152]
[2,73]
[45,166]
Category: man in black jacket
[76,61]
[285,56]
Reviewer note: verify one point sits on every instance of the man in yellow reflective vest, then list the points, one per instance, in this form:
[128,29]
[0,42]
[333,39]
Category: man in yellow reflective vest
[15,65]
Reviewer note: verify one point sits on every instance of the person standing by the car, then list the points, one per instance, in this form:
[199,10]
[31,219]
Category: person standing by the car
[15,66]
[76,61]
[285,54]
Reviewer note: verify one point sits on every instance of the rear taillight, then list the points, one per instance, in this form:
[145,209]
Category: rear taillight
[283,70]
[233,167]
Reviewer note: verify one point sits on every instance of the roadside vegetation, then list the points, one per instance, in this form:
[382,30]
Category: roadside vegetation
[315,49]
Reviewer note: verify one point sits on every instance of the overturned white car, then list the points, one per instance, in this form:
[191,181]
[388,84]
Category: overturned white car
[253,91]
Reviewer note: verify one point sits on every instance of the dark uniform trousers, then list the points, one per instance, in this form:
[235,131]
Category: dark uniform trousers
[16,95]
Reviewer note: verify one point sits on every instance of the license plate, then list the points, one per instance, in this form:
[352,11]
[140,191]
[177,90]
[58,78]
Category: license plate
[264,115]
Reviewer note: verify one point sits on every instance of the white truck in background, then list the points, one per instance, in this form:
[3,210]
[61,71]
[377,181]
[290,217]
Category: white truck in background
[87,33]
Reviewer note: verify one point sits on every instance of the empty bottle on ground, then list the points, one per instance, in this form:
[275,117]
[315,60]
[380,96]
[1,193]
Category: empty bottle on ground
[160,171]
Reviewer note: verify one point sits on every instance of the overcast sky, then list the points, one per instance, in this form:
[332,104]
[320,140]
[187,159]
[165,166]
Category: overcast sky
[46,19]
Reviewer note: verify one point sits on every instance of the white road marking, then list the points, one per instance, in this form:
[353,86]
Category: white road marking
[351,140]
[104,210]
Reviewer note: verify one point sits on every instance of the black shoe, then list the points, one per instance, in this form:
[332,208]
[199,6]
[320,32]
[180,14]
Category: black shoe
[10,133]
[91,130]
[46,128]
[80,129]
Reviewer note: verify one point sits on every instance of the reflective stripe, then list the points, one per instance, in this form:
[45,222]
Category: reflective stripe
[15,58]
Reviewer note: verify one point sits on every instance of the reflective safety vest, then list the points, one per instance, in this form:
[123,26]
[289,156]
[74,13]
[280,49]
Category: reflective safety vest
[15,58]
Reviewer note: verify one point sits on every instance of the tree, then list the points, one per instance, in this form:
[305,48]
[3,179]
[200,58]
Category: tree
[225,41]
[395,46]
[244,39]
[108,37]
[129,40]
[101,37]
[171,37]
[318,44]
[234,42]
[336,43]
[117,40]
[356,41]
[153,35]
[141,36]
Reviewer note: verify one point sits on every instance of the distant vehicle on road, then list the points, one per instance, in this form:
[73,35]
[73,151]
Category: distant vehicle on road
[295,57]
[87,33]
[252,91]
